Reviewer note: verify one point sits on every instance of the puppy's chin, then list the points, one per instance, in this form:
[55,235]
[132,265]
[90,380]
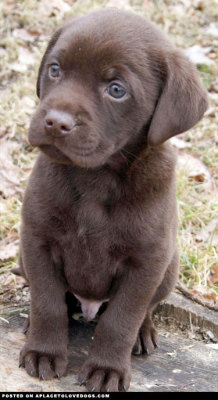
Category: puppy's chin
[55,154]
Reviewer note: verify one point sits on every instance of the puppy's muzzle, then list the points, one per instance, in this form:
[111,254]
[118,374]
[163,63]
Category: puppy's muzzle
[59,123]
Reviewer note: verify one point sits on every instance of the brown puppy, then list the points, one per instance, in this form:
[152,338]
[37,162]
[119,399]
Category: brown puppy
[99,214]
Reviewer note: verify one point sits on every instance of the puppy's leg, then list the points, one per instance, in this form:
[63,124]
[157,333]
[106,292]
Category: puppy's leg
[108,365]
[45,353]
[147,339]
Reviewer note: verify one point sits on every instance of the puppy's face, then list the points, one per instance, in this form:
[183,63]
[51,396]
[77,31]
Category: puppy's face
[107,82]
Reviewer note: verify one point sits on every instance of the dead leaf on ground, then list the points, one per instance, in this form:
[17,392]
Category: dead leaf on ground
[209,232]
[212,29]
[10,174]
[8,249]
[212,346]
[211,112]
[3,131]
[198,55]
[179,143]
[121,4]
[193,167]
[23,34]
[213,277]
[26,57]
[204,298]
[18,67]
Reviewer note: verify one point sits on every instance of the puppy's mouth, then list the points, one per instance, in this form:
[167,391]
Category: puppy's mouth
[89,158]
[54,154]
[80,147]
[80,157]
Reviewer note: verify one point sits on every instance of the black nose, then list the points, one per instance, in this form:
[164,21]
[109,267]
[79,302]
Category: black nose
[59,123]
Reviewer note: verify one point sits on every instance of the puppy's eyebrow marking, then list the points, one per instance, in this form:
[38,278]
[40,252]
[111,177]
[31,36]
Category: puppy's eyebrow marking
[119,72]
[110,73]
[57,54]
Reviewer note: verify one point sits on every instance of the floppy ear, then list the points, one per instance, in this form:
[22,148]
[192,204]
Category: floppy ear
[47,51]
[182,102]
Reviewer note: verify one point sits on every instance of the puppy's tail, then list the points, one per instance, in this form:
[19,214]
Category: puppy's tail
[16,271]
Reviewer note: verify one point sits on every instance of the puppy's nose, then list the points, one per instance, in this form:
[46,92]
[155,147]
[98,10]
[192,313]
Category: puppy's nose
[59,123]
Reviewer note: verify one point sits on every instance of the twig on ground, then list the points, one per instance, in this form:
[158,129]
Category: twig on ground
[196,298]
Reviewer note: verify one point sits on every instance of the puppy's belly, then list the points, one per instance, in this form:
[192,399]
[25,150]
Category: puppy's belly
[89,307]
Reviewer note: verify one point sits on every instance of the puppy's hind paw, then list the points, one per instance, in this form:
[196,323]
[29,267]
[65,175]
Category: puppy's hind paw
[147,340]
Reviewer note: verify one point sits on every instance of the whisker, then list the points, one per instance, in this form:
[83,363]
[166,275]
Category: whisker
[131,154]
[123,155]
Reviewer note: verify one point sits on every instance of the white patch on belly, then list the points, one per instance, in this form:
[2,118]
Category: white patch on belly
[89,307]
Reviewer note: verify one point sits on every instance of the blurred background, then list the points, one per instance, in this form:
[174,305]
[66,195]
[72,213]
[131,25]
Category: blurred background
[25,28]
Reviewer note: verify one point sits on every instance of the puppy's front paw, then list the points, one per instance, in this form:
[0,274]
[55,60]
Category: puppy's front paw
[45,365]
[104,378]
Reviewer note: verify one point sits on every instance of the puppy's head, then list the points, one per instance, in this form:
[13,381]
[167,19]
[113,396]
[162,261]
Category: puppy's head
[109,81]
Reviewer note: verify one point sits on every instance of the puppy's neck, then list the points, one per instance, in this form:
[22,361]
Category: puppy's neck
[129,154]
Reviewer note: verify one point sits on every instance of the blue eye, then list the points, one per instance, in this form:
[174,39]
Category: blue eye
[116,91]
[54,70]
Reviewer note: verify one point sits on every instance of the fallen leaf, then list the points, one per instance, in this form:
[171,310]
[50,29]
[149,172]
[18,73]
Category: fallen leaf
[211,112]
[212,346]
[8,6]
[24,315]
[209,232]
[209,334]
[204,298]
[18,67]
[28,104]
[26,57]
[193,167]
[8,249]
[60,5]
[197,55]
[121,4]
[214,95]
[4,320]
[213,277]
[179,143]
[23,34]
[173,354]
[212,30]
[197,178]
[10,174]
[7,280]
[3,131]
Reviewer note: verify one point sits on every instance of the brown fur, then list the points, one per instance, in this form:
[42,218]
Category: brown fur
[99,216]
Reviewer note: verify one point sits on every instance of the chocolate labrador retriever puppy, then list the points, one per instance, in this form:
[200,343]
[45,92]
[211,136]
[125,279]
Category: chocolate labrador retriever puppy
[99,214]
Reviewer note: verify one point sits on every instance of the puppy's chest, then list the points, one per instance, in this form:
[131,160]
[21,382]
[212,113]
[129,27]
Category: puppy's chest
[92,232]
[92,247]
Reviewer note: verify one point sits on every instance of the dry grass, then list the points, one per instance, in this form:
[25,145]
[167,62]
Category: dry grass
[25,28]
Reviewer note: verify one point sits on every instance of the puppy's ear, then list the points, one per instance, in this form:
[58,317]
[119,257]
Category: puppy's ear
[182,102]
[47,51]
